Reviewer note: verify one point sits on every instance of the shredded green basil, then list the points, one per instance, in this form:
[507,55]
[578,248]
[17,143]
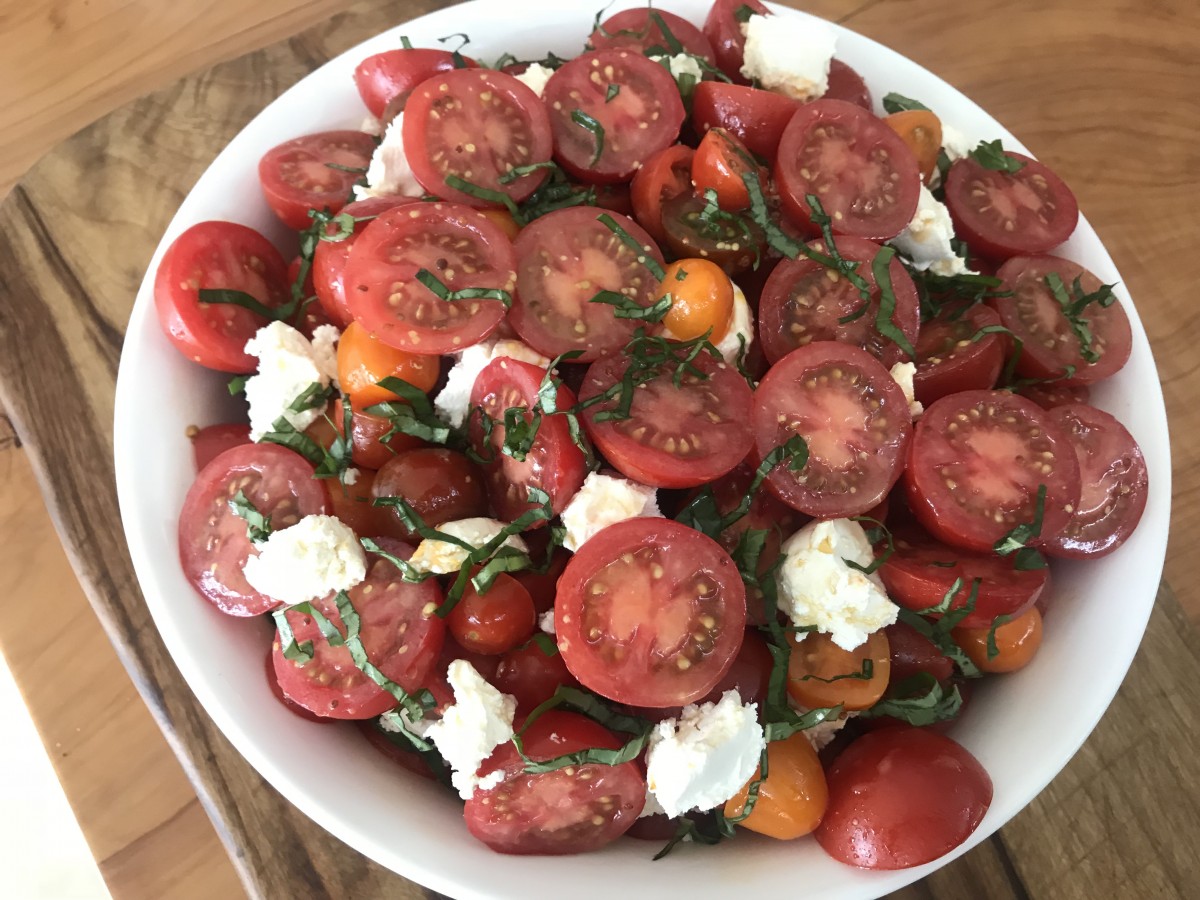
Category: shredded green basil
[258,526]
[593,126]
[435,285]
[991,155]
[894,103]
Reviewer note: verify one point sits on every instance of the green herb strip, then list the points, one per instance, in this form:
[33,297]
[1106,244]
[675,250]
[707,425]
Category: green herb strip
[591,125]
[258,526]
[594,708]
[991,155]
[435,285]
[1073,305]
[412,414]
[642,253]
[894,103]
[919,700]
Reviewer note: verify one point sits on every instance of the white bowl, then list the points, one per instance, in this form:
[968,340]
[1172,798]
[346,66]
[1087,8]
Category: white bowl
[1023,727]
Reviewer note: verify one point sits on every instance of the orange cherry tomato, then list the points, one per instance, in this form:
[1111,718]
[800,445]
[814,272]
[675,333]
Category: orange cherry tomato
[504,219]
[1017,642]
[921,130]
[362,361]
[792,798]
[817,657]
[719,164]
[702,299]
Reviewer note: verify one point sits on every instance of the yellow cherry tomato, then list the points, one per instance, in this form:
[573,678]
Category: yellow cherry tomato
[792,798]
[362,361]
[1017,642]
[921,130]
[504,219]
[701,299]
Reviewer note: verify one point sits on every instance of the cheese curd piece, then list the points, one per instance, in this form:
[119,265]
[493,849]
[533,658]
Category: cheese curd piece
[902,373]
[371,125]
[443,557]
[546,622]
[742,323]
[817,587]
[927,238]
[313,558]
[681,64]
[454,400]
[288,365]
[535,78]
[788,55]
[388,173]
[820,736]
[480,720]
[703,758]
[955,143]
[604,500]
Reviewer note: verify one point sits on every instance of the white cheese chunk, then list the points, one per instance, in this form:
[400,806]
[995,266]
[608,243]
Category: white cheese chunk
[480,720]
[546,622]
[313,558]
[444,557]
[820,736]
[288,365]
[704,757]
[817,587]
[742,323]
[652,806]
[902,373]
[927,238]
[955,143]
[789,55]
[535,78]
[454,400]
[604,500]
[388,173]
[681,64]
[371,125]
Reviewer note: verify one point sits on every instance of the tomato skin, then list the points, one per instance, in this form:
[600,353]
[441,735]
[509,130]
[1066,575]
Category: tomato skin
[543,586]
[363,361]
[724,32]
[599,592]
[900,797]
[440,485]
[555,812]
[209,334]
[211,441]
[750,673]
[408,760]
[352,504]
[1056,393]
[792,798]
[288,703]
[701,300]
[493,622]
[1016,642]
[945,366]
[531,675]
[1022,447]
[913,653]
[818,657]
[295,176]
[1030,233]
[665,175]
[646,34]
[868,147]
[394,73]
[732,247]
[367,430]
[719,164]
[1115,484]
[756,117]
[846,84]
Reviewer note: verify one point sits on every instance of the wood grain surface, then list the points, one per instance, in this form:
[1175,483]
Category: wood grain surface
[1104,91]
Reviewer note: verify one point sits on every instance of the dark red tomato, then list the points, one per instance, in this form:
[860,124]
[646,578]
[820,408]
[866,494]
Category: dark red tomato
[569,810]
[665,175]
[642,118]
[291,705]
[1035,315]
[367,448]
[564,259]
[913,653]
[724,31]
[803,302]
[1115,483]
[329,258]
[749,674]
[459,246]
[398,751]
[854,418]
[440,485]
[917,577]
[900,797]
[476,125]
[394,73]
[211,441]
[846,84]
[1001,214]
[310,173]
[213,544]
[675,436]
[352,504]
[864,175]
[724,243]
[948,360]
[543,586]
[1050,394]
[553,464]
[531,675]
[402,638]
[495,621]
[217,255]
[642,29]
[616,197]
[756,117]
[650,613]
[975,464]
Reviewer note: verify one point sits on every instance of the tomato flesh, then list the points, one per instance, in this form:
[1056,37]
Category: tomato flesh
[310,172]
[948,357]
[846,84]
[664,176]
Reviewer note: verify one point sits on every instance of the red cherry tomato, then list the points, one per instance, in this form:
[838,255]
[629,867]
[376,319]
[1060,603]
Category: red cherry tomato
[691,234]
[756,117]
[846,84]
[720,162]
[862,172]
[399,751]
[543,586]
[476,125]
[750,673]
[458,246]
[723,28]
[642,29]
[393,74]
[900,797]
[553,464]
[1050,394]
[367,431]
[913,653]
[440,485]
[570,810]
[650,613]
[665,175]
[217,255]
[495,621]
[582,108]
[213,544]
[531,675]
[975,464]
[210,442]
[851,414]
[310,172]
[949,360]
[290,705]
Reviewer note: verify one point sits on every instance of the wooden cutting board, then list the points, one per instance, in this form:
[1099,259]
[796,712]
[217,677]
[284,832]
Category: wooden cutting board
[1113,107]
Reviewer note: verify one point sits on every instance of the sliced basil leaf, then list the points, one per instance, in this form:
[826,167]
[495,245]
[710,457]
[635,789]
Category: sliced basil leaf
[880,268]
[1020,535]
[592,125]
[628,308]
[991,155]
[237,384]
[258,526]
[894,103]
[435,285]
[992,650]
[643,254]
[238,298]
[921,701]
[315,396]
[521,171]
